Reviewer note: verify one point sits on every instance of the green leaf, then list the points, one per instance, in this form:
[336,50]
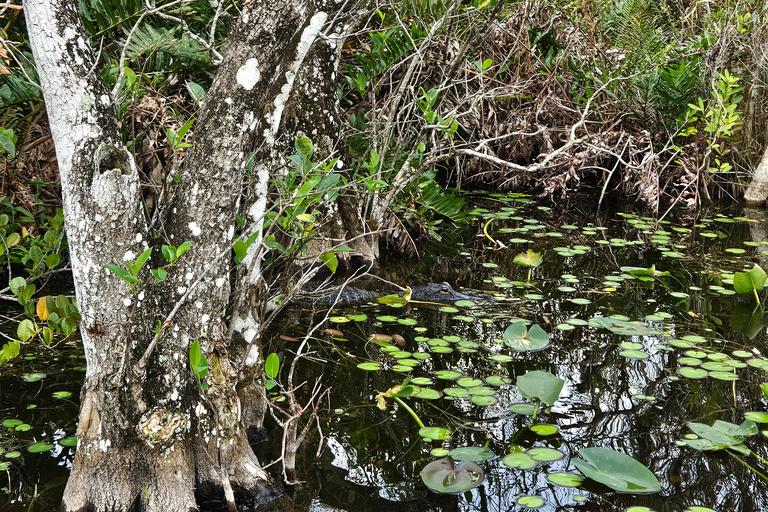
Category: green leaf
[26,330]
[330,260]
[518,338]
[183,248]
[445,477]
[197,360]
[169,253]
[16,284]
[159,273]
[7,144]
[121,273]
[40,448]
[528,259]
[272,365]
[140,261]
[540,385]
[620,472]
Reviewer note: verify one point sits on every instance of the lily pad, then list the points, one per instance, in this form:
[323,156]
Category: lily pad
[471,453]
[565,479]
[520,339]
[620,472]
[445,476]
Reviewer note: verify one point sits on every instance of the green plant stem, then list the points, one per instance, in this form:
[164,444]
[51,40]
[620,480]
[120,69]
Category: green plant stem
[748,466]
[757,297]
[759,458]
[530,269]
[410,411]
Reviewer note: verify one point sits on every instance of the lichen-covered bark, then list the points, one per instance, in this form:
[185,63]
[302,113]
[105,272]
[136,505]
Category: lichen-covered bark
[313,110]
[301,95]
[149,437]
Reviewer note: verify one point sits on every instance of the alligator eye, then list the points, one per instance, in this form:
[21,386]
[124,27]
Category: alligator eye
[445,289]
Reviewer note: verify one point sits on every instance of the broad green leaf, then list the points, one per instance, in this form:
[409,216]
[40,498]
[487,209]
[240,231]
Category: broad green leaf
[540,385]
[26,330]
[40,448]
[272,365]
[121,273]
[436,433]
[140,261]
[471,453]
[330,260]
[444,476]
[528,259]
[620,472]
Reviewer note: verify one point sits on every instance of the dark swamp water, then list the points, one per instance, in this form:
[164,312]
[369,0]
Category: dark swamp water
[640,357]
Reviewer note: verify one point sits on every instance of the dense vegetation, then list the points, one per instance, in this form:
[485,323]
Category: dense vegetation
[659,103]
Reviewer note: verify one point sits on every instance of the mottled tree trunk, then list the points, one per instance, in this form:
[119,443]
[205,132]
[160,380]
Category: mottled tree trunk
[149,438]
[757,192]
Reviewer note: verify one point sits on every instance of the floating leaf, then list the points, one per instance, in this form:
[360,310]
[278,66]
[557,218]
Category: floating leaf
[565,479]
[437,433]
[620,472]
[40,448]
[530,501]
[518,338]
[471,453]
[544,429]
[543,454]
[444,476]
[519,460]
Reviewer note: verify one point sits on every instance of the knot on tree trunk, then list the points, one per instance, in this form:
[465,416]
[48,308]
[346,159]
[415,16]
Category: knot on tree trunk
[158,428]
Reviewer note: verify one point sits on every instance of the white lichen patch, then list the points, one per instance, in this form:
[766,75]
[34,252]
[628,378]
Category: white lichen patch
[127,302]
[220,282]
[205,319]
[195,229]
[249,75]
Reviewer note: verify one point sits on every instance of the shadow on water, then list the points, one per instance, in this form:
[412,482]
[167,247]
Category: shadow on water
[621,391]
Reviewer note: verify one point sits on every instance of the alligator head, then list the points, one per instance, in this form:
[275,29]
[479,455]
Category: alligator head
[439,292]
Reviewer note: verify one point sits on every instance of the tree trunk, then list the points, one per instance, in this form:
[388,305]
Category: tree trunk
[149,437]
[757,192]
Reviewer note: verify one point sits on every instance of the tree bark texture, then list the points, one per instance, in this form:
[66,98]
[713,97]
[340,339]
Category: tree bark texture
[757,192]
[148,437]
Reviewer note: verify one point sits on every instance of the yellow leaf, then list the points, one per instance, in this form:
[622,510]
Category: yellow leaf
[24,232]
[42,309]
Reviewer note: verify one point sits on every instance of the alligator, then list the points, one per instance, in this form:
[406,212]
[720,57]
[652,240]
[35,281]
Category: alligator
[432,292]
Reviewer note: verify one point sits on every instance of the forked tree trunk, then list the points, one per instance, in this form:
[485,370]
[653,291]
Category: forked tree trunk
[149,438]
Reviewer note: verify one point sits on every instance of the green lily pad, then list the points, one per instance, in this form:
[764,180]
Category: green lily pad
[530,501]
[620,472]
[527,409]
[543,454]
[520,339]
[40,448]
[444,476]
[471,453]
[544,429]
[437,433]
[565,479]
[519,460]
[693,373]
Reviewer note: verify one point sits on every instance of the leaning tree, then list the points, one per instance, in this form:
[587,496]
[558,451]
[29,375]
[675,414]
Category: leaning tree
[149,436]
